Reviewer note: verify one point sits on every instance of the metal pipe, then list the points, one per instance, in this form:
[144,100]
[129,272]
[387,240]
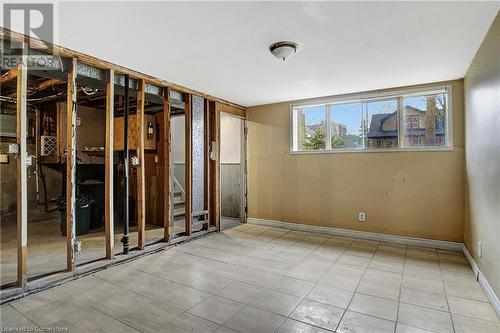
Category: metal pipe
[126,171]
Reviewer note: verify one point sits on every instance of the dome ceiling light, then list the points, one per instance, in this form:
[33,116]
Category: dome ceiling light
[282,50]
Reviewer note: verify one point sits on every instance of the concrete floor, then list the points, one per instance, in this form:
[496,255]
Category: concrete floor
[260,279]
[47,247]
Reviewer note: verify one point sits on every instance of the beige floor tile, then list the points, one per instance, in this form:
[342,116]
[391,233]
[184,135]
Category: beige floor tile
[360,323]
[428,319]
[293,326]
[223,329]
[306,273]
[374,306]
[151,318]
[469,289]
[318,314]
[276,302]
[424,298]
[254,320]
[331,296]
[10,318]
[470,308]
[291,286]
[240,292]
[217,309]
[385,265]
[187,322]
[354,260]
[427,284]
[467,325]
[340,280]
[401,328]
[381,284]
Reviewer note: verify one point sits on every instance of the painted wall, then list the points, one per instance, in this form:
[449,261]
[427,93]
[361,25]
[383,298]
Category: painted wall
[230,157]
[230,134]
[482,115]
[419,194]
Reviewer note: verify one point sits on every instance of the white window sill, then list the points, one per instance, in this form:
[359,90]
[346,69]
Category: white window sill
[373,150]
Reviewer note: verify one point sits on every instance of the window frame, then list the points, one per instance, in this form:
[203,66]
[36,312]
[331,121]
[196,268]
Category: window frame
[399,95]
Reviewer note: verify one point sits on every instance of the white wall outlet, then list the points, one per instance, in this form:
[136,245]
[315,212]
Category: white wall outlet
[361,216]
[480,249]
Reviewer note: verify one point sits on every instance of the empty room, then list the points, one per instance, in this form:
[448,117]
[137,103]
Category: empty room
[250,166]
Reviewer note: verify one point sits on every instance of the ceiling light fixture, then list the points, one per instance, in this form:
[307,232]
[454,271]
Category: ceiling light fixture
[283,50]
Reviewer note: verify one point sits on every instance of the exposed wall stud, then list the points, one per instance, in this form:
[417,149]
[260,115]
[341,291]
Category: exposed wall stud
[71,116]
[188,172]
[141,193]
[22,184]
[166,165]
[109,204]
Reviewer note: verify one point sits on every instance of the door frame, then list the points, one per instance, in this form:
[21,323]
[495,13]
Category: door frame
[243,166]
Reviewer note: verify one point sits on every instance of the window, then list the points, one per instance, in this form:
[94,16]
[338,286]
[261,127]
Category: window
[310,128]
[428,114]
[346,126]
[382,119]
[412,119]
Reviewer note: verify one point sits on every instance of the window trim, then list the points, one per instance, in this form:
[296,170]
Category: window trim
[369,97]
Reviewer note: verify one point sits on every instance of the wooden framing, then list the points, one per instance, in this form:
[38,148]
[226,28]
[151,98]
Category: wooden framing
[214,165]
[213,108]
[10,75]
[109,204]
[166,165]
[221,107]
[206,162]
[7,34]
[71,167]
[22,174]
[141,193]
[188,156]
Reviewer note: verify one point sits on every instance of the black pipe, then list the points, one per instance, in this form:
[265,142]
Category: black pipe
[125,239]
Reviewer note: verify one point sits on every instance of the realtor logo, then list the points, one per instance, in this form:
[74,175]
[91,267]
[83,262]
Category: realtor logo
[32,19]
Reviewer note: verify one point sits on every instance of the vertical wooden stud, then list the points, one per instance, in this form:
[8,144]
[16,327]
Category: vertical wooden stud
[214,206]
[71,167]
[109,193]
[206,162]
[141,193]
[188,155]
[166,165]
[22,184]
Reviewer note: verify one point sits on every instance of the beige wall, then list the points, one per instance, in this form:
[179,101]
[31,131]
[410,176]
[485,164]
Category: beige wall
[419,194]
[482,105]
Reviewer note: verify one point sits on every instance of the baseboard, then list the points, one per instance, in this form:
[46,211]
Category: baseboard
[495,302]
[439,244]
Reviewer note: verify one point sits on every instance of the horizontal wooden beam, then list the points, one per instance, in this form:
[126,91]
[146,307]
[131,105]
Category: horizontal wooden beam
[231,110]
[10,75]
[35,43]
[44,85]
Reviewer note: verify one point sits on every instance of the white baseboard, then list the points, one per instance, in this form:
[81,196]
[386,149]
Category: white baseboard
[495,302]
[439,244]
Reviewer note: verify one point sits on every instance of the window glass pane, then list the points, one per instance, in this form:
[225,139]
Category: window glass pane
[311,128]
[382,121]
[345,125]
[425,119]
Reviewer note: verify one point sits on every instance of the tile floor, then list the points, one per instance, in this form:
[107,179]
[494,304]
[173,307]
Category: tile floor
[259,279]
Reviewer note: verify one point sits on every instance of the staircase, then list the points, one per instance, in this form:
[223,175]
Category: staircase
[179,207]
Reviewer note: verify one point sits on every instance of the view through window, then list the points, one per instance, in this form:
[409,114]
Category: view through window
[406,120]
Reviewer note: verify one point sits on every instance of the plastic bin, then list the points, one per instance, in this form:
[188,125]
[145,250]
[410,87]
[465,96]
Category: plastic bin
[83,208]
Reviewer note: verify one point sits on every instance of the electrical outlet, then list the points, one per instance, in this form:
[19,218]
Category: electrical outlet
[361,216]
[480,249]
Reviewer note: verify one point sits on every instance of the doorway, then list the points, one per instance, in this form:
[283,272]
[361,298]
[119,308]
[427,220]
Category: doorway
[232,171]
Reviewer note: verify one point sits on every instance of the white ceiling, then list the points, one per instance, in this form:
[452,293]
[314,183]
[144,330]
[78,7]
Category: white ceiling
[221,48]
